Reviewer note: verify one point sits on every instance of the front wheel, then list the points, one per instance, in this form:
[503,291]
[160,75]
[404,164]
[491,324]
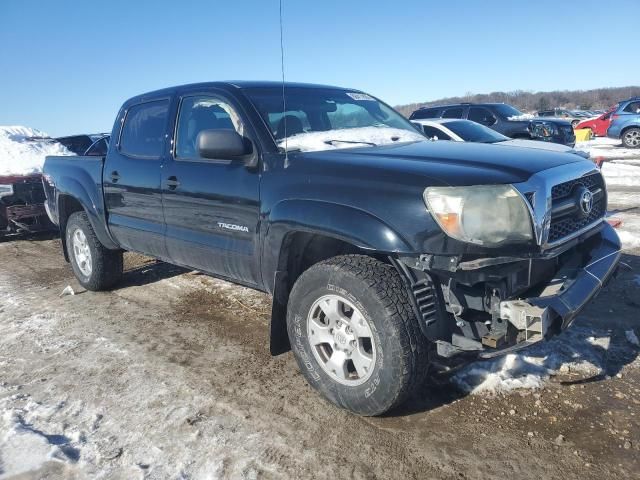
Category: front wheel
[631,138]
[354,334]
[95,267]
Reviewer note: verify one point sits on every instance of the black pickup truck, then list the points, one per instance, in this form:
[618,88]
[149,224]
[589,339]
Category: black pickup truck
[383,251]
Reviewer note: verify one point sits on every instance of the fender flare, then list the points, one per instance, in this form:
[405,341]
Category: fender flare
[352,225]
[92,203]
[349,224]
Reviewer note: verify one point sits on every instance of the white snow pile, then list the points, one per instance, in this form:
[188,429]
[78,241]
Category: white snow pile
[21,155]
[577,350]
[629,231]
[26,449]
[345,138]
[524,116]
[616,173]
[607,148]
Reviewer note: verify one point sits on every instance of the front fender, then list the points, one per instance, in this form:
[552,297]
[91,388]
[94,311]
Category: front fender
[349,224]
[85,191]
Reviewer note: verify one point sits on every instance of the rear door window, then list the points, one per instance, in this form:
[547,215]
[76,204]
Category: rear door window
[144,128]
[426,113]
[482,116]
[455,112]
[633,107]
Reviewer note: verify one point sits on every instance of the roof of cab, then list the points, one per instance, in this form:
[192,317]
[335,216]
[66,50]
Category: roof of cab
[228,85]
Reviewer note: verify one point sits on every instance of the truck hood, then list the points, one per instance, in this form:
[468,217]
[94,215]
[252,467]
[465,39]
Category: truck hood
[448,163]
[554,147]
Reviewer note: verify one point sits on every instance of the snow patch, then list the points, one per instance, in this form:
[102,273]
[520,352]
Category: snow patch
[24,448]
[629,231]
[344,138]
[524,116]
[621,174]
[22,155]
[578,349]
[632,338]
[607,148]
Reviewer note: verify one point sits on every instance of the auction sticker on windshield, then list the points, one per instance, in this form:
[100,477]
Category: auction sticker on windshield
[360,96]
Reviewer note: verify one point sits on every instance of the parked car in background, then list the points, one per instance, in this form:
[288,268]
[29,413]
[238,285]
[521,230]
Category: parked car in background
[86,144]
[383,251]
[22,204]
[502,118]
[468,131]
[625,123]
[561,113]
[99,147]
[598,125]
[22,153]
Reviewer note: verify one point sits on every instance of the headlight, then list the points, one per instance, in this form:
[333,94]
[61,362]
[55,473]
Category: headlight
[6,190]
[486,215]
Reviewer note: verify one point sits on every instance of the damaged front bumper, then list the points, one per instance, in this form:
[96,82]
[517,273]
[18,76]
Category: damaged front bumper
[513,323]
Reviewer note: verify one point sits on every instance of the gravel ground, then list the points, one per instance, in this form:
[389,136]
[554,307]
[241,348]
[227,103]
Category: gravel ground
[169,376]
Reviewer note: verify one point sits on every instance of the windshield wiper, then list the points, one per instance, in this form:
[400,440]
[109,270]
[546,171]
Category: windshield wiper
[331,142]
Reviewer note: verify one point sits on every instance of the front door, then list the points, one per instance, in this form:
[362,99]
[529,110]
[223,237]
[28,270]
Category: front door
[132,179]
[211,207]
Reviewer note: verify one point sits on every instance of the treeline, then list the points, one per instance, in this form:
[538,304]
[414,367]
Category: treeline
[599,98]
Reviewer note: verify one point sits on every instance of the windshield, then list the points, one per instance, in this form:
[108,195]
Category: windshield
[474,132]
[326,118]
[508,111]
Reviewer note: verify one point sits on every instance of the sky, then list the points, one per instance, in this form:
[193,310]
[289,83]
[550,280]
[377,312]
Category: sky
[66,66]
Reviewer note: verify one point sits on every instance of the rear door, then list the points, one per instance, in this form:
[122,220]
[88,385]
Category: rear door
[211,207]
[453,112]
[482,116]
[131,178]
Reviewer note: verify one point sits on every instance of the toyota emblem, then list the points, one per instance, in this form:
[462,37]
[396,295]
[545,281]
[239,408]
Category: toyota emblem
[586,202]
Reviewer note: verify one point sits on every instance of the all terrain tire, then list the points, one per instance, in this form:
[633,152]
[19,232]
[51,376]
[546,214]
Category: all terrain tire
[95,267]
[354,334]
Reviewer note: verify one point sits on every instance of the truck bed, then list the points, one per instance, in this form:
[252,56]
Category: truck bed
[70,173]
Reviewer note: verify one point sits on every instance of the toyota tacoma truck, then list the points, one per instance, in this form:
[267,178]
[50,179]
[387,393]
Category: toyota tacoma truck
[383,252]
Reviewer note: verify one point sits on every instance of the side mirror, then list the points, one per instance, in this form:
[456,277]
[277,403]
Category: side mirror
[225,144]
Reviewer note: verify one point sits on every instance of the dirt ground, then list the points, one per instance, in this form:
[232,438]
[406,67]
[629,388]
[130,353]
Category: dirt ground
[169,376]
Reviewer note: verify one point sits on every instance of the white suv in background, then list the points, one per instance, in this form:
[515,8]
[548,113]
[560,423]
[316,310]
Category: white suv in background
[459,130]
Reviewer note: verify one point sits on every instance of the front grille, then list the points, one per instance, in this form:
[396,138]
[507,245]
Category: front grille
[563,190]
[566,225]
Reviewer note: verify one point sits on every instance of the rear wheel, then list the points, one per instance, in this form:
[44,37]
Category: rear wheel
[354,334]
[631,138]
[95,267]
[575,123]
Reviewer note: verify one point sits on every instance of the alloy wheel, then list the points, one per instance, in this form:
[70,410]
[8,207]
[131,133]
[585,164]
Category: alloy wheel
[341,340]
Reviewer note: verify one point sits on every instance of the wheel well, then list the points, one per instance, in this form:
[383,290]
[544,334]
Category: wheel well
[66,206]
[625,129]
[299,251]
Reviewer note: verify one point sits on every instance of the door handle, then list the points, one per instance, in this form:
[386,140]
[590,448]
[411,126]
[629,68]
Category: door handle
[115,176]
[172,183]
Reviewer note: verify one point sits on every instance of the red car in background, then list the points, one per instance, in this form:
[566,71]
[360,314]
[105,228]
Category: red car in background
[597,125]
